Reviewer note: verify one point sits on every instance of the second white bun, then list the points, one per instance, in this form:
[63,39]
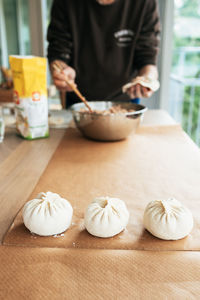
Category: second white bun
[106,217]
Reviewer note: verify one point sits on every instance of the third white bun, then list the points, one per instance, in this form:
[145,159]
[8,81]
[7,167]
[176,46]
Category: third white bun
[168,219]
[106,217]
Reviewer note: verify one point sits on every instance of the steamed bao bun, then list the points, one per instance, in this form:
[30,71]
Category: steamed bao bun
[168,219]
[106,217]
[48,214]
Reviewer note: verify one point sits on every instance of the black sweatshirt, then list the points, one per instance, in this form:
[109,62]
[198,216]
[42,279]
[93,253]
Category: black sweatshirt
[105,44]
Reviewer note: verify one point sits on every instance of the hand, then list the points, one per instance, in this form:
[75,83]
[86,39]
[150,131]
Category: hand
[139,91]
[59,77]
[150,73]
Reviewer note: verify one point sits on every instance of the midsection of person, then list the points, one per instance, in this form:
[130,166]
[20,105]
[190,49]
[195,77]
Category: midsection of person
[105,49]
[105,44]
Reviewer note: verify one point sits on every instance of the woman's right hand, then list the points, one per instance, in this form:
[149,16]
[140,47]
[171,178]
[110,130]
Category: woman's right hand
[59,77]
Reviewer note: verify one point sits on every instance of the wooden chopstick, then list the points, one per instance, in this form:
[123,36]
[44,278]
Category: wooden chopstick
[58,68]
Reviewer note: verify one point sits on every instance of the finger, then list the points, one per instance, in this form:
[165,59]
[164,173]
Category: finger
[70,73]
[62,64]
[146,92]
[131,92]
[67,73]
[149,94]
[62,85]
[62,77]
[59,76]
[138,92]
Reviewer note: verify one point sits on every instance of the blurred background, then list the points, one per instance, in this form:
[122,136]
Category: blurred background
[23,26]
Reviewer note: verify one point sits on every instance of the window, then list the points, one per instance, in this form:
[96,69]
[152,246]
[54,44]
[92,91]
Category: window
[185,72]
[23,28]
[49,4]
[10,13]
[14,30]
[17,31]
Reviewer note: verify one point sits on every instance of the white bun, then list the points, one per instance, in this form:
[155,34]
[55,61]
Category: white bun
[48,214]
[106,217]
[168,219]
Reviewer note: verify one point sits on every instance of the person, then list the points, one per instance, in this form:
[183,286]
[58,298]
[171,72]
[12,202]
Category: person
[102,45]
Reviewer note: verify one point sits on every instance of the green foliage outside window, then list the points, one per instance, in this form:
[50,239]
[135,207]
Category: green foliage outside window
[190,8]
[186,109]
[191,69]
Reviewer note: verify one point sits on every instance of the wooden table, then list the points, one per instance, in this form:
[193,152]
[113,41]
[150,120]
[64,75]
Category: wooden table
[21,165]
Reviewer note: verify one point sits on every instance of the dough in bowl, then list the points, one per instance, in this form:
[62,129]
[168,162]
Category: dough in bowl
[106,217]
[168,219]
[48,214]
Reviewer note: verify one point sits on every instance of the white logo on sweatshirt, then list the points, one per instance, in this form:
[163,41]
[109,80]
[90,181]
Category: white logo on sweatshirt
[124,37]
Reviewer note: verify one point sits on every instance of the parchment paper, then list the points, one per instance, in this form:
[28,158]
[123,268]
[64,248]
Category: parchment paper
[156,163]
[43,273]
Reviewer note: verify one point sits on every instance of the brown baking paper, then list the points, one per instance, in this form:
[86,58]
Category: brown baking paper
[156,163]
[43,273]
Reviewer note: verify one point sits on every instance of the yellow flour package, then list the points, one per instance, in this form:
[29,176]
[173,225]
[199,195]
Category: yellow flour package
[30,95]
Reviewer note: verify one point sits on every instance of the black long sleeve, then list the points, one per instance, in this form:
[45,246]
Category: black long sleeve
[147,44]
[59,33]
[105,44]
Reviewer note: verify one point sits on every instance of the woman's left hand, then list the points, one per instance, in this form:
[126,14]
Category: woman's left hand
[139,91]
[149,73]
